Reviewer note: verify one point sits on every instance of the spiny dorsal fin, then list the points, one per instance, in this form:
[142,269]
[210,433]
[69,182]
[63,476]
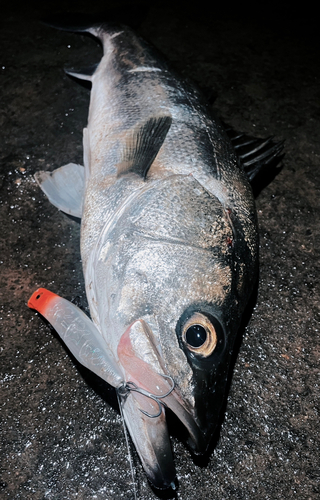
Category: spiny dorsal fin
[254,154]
[142,145]
[258,158]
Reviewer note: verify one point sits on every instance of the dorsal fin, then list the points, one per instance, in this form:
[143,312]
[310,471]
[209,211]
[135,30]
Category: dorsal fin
[258,158]
[254,154]
[142,145]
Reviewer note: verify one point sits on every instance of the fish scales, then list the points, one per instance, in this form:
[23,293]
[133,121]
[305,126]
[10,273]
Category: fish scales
[168,243]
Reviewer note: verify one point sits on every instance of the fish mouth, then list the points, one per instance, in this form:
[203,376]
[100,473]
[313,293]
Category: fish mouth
[144,396]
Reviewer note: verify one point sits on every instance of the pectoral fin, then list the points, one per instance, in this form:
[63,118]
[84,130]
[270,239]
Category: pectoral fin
[142,144]
[64,187]
[78,333]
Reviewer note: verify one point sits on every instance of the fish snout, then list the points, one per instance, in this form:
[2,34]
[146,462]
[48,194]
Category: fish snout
[142,398]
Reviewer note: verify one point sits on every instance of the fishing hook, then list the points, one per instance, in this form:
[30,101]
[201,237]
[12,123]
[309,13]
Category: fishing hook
[125,388]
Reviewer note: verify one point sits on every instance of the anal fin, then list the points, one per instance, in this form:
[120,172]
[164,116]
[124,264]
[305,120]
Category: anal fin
[64,187]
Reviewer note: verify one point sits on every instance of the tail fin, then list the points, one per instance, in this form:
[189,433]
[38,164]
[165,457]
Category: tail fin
[129,15]
[76,23]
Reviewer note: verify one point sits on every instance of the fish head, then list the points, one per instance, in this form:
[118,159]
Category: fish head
[173,276]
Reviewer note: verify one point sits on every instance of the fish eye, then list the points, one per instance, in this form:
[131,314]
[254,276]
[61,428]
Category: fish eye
[199,335]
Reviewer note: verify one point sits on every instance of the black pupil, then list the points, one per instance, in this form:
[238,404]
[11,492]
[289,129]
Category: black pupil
[196,335]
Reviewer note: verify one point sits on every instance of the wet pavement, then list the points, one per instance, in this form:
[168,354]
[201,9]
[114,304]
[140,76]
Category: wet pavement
[61,434]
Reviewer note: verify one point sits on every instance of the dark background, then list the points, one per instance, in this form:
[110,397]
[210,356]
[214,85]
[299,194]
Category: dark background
[60,439]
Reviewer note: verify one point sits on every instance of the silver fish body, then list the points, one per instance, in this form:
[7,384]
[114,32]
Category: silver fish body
[168,242]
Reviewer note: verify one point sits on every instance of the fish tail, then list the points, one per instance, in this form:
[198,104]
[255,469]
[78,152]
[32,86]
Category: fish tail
[97,24]
[77,23]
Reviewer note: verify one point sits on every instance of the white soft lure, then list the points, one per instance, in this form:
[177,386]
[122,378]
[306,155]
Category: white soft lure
[168,244]
[78,333]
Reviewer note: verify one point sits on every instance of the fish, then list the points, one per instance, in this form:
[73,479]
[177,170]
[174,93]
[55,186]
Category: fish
[169,245]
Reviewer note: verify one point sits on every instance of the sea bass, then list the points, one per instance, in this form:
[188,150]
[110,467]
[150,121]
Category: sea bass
[169,247]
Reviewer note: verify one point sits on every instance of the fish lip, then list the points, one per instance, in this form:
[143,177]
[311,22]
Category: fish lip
[196,439]
[148,389]
[151,439]
[157,445]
